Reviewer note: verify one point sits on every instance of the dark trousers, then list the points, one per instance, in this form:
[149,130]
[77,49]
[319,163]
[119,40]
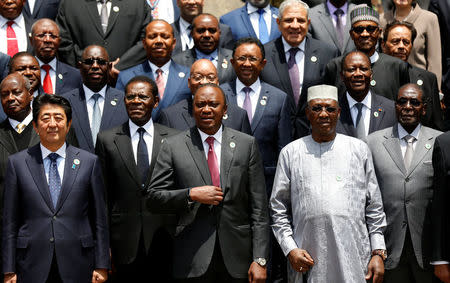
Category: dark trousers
[277,265]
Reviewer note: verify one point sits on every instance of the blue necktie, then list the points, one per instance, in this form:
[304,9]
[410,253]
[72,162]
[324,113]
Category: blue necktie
[54,181]
[263,33]
[96,117]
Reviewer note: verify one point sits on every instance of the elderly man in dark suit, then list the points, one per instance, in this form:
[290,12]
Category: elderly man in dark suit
[362,110]
[402,159]
[41,9]
[54,207]
[212,177]
[139,241]
[180,116]
[95,105]
[57,77]
[295,61]
[206,34]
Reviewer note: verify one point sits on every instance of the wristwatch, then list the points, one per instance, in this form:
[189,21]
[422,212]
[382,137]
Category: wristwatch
[381,253]
[261,261]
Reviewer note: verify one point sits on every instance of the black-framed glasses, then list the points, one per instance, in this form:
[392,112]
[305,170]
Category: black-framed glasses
[252,59]
[90,61]
[413,101]
[361,29]
[319,109]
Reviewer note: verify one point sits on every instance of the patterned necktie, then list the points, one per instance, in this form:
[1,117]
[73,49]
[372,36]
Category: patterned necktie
[12,45]
[20,127]
[294,75]
[142,162]
[54,181]
[409,150]
[213,164]
[104,15]
[248,103]
[360,129]
[263,33]
[190,42]
[160,83]
[339,27]
[48,88]
[96,117]
[154,7]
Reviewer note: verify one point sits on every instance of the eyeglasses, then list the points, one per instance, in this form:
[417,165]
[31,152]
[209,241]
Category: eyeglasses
[199,77]
[131,97]
[90,61]
[41,36]
[252,59]
[319,109]
[413,101]
[361,29]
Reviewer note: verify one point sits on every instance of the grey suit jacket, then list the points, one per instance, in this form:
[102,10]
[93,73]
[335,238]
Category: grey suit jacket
[240,222]
[407,194]
[224,68]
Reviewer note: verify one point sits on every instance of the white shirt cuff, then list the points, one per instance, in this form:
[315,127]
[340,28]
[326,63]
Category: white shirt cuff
[288,245]
[377,241]
[439,262]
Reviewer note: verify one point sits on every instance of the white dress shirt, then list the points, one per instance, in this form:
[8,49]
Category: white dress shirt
[148,138]
[254,94]
[403,133]
[165,10]
[19,30]
[90,102]
[52,72]
[60,162]
[186,41]
[374,57]
[165,69]
[31,5]
[254,17]
[217,143]
[108,7]
[25,121]
[365,111]
[299,58]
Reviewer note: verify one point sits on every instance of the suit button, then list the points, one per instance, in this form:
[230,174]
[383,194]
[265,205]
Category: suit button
[407,179]
[54,217]
[105,42]
[52,240]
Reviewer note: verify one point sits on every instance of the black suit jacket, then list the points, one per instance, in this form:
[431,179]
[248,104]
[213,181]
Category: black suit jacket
[179,116]
[42,9]
[114,114]
[67,78]
[224,68]
[240,222]
[80,26]
[4,68]
[128,215]
[385,115]
[276,73]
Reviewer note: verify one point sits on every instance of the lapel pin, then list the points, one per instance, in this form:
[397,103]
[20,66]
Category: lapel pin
[73,166]
[76,161]
[375,114]
[373,82]
[181,75]
[60,76]
[225,63]
[232,145]
[419,82]
[338,178]
[274,16]
[113,103]
[225,116]
[314,59]
[263,100]
[427,146]
[116,9]
[162,141]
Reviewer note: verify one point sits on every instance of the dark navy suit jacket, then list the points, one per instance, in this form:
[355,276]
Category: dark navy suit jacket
[42,9]
[67,78]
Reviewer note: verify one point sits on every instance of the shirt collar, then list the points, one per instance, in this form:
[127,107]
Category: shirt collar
[165,68]
[51,63]
[403,133]
[183,24]
[374,57]
[255,86]
[332,8]
[89,93]
[287,46]
[148,127]
[201,55]
[61,151]
[217,136]
[367,101]
[25,121]
[18,21]
[253,9]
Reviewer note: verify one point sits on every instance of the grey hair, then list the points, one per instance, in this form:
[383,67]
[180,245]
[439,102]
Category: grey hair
[288,3]
[33,26]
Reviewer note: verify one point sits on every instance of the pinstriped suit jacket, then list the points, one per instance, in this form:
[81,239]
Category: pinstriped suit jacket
[406,194]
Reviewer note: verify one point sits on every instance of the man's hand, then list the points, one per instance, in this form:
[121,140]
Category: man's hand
[206,195]
[10,278]
[257,273]
[442,271]
[113,72]
[376,269]
[99,275]
[300,260]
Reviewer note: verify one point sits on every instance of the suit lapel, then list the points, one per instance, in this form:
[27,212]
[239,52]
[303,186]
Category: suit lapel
[227,153]
[222,60]
[158,135]
[122,140]
[109,108]
[392,145]
[311,64]
[173,84]
[375,119]
[424,144]
[187,115]
[246,19]
[36,167]
[195,146]
[346,117]
[70,174]
[6,137]
[116,7]
[37,6]
[325,18]
[80,110]
[279,59]
[91,8]
[260,108]
[34,138]
[274,26]
[60,75]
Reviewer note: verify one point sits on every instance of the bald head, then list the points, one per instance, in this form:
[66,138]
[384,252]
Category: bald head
[16,97]
[159,42]
[202,72]
[45,39]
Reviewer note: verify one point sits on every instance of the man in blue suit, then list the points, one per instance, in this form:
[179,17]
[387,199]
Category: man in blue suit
[257,18]
[95,105]
[170,77]
[55,227]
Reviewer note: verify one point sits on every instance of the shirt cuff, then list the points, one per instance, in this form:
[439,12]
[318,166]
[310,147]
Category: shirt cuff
[288,245]
[377,241]
[439,262]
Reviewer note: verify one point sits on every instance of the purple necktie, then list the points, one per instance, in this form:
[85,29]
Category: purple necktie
[248,103]
[213,164]
[294,74]
[339,27]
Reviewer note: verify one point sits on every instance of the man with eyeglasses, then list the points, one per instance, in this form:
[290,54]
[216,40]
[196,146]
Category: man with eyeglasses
[95,105]
[362,110]
[180,116]
[57,77]
[389,73]
[140,243]
[402,156]
[326,205]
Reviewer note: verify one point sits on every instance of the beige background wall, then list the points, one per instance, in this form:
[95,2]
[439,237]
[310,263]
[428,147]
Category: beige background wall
[221,7]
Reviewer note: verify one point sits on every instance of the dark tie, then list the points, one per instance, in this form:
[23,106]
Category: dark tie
[248,103]
[360,129]
[104,15]
[339,27]
[213,165]
[143,164]
[54,181]
[409,150]
[294,74]
[263,33]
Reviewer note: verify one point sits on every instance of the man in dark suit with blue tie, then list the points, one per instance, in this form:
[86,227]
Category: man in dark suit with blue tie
[95,105]
[170,77]
[55,227]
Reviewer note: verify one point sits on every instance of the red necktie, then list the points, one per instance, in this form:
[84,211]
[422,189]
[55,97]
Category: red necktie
[160,83]
[212,163]
[12,44]
[48,88]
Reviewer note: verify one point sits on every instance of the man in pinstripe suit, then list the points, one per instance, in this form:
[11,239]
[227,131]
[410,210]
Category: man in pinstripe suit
[402,157]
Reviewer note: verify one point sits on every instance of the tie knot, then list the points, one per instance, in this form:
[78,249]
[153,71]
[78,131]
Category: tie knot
[210,141]
[53,156]
[359,106]
[141,131]
[10,23]
[159,72]
[293,51]
[247,90]
[189,28]
[339,12]
[46,67]
[103,1]
[409,139]
[96,96]
[20,127]
[261,11]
